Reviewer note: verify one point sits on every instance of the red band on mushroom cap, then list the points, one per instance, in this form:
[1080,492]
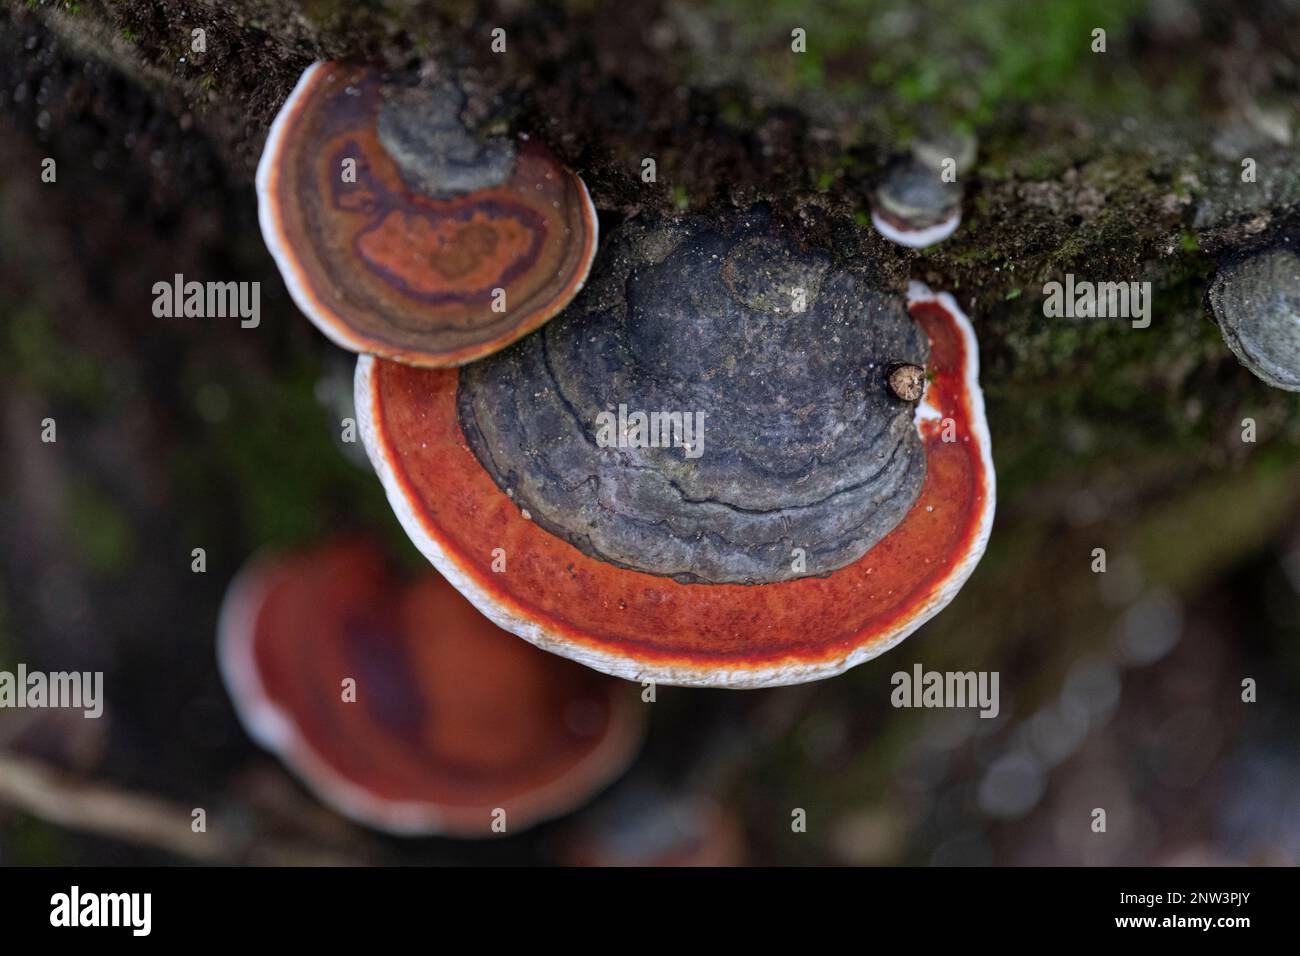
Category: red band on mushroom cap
[451,717]
[646,627]
[382,265]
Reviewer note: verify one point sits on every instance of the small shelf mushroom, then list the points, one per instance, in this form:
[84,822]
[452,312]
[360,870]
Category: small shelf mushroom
[913,206]
[918,202]
[824,519]
[1256,300]
[403,233]
[404,708]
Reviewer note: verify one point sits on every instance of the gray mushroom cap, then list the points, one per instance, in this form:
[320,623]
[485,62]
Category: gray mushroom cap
[1256,300]
[783,350]
[916,196]
[936,146]
[421,129]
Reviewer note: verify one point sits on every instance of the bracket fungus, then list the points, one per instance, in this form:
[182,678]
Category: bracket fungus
[447,720]
[914,206]
[1256,300]
[402,232]
[814,520]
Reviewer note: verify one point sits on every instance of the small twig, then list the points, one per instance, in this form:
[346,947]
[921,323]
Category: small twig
[136,818]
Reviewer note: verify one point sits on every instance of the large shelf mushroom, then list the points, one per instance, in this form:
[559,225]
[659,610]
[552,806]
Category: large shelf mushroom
[826,513]
[402,232]
[407,710]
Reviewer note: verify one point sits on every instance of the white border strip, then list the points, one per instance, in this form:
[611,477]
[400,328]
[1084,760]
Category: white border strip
[917,238]
[268,218]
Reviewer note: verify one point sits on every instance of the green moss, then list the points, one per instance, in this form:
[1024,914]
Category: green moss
[33,842]
[103,534]
[285,481]
[276,450]
[1237,513]
[810,70]
[965,58]
[1128,389]
[323,12]
[34,353]
[734,113]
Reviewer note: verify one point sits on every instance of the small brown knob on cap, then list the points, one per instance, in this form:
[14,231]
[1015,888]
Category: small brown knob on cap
[907,382]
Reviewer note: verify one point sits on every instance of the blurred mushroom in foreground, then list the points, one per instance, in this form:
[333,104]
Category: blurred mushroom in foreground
[404,708]
[402,232]
[821,520]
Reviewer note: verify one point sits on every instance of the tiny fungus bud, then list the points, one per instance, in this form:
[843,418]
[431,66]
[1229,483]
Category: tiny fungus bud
[1256,300]
[915,205]
[907,382]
